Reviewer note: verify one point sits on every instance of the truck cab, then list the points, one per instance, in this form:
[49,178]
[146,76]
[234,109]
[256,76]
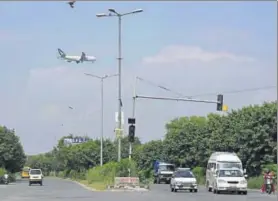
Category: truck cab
[163,172]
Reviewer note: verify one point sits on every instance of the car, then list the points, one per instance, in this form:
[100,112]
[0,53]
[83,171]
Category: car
[35,177]
[230,180]
[183,180]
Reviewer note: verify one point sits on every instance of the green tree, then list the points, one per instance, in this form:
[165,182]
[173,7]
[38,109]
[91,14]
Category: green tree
[12,156]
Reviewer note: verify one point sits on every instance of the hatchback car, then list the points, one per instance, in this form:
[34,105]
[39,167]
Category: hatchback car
[183,180]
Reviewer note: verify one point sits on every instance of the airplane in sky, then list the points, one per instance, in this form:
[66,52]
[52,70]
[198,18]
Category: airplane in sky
[76,59]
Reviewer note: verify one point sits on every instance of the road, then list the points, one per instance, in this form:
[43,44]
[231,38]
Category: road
[63,190]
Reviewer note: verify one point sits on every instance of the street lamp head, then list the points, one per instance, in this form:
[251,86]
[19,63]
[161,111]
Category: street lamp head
[101,15]
[112,10]
[137,11]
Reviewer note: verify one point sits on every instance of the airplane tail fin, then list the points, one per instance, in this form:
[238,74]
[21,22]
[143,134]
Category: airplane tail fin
[83,56]
[62,53]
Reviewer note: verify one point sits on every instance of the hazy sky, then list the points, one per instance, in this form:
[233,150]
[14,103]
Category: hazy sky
[192,48]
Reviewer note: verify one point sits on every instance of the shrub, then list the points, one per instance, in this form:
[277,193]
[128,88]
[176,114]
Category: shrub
[109,171]
[199,173]
[271,167]
[2,172]
[255,182]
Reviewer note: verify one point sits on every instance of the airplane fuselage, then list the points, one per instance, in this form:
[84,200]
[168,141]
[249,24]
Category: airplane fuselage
[78,59]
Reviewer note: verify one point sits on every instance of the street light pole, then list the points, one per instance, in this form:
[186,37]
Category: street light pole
[102,109]
[114,13]
[101,131]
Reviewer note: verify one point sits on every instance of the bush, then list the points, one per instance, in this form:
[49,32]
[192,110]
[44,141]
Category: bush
[271,167]
[62,174]
[255,182]
[2,172]
[199,173]
[109,171]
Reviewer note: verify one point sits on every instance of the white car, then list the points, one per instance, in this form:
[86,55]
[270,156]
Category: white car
[183,180]
[230,180]
[35,177]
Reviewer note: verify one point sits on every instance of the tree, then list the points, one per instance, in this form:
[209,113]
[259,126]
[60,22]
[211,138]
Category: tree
[250,132]
[12,156]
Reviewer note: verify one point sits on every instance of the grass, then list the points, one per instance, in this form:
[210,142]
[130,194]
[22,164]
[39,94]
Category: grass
[255,182]
[94,185]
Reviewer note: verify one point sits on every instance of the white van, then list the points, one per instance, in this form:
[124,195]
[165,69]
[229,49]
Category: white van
[220,160]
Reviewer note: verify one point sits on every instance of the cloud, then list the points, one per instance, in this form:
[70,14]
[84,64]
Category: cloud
[49,92]
[178,53]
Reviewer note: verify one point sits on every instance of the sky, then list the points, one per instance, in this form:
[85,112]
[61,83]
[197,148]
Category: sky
[189,47]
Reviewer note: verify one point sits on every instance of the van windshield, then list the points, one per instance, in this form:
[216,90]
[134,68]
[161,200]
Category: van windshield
[167,167]
[230,165]
[230,173]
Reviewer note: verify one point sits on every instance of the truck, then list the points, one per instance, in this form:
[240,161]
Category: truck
[163,172]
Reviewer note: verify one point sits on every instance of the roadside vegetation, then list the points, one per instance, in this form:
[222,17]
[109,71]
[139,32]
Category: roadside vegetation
[12,157]
[189,141]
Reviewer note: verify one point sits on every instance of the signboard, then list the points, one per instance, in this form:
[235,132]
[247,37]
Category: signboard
[119,132]
[126,181]
[117,117]
[75,140]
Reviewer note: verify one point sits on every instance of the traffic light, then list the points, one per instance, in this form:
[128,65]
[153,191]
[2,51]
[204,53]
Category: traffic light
[219,102]
[131,133]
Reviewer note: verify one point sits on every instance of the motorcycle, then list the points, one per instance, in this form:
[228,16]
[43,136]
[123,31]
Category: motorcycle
[6,181]
[3,180]
[268,184]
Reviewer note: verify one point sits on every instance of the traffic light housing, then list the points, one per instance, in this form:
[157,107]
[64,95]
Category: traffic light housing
[131,133]
[219,102]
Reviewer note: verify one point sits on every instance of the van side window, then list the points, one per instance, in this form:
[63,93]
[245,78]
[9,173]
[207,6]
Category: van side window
[217,167]
[208,167]
[211,165]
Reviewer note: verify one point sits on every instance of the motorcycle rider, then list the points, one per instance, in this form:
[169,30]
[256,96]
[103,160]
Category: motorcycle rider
[267,174]
[6,176]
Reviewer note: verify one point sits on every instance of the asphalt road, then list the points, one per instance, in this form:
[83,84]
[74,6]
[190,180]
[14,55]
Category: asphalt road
[63,190]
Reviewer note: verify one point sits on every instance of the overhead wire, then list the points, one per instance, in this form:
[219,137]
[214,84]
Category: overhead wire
[206,94]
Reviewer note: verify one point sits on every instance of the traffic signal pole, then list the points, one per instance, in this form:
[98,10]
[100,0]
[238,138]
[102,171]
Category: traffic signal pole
[133,115]
[175,99]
